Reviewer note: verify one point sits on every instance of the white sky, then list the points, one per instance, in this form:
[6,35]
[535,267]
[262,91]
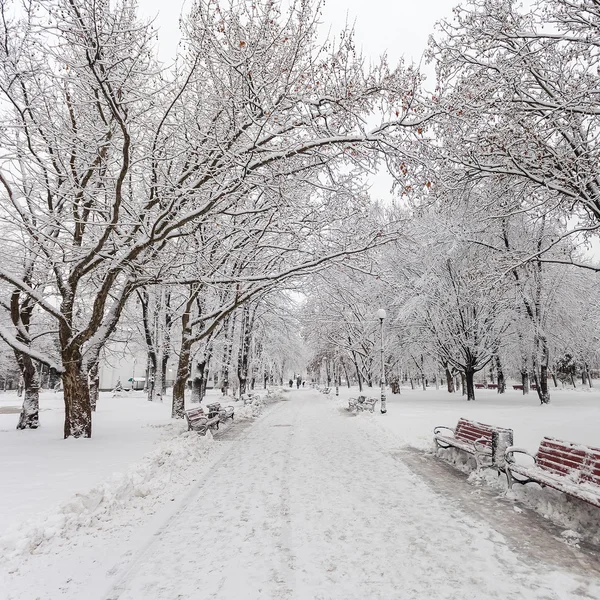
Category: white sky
[400,27]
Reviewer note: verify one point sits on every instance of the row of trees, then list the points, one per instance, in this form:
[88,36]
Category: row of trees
[203,186]
[502,193]
[186,197]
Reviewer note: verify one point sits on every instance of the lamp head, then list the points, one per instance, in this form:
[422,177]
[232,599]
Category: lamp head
[381,314]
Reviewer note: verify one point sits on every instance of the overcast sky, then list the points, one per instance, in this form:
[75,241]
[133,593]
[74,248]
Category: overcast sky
[400,27]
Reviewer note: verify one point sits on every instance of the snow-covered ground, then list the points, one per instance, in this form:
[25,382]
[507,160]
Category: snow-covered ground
[39,469]
[306,502]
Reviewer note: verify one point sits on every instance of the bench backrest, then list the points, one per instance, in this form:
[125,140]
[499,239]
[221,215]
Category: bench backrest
[470,431]
[576,461]
[195,415]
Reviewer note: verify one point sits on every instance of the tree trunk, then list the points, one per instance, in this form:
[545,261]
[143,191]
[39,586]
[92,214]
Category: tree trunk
[183,364]
[501,380]
[449,380]
[196,395]
[588,376]
[94,383]
[463,382]
[29,417]
[197,377]
[244,348]
[183,372]
[152,359]
[543,392]
[78,410]
[151,377]
[525,381]
[469,376]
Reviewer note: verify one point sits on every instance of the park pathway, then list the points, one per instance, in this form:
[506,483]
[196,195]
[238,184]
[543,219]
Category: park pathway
[313,504]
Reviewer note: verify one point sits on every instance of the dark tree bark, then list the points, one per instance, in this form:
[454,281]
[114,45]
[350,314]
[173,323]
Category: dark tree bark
[469,376]
[449,380]
[525,381]
[244,347]
[184,362]
[29,417]
[78,408]
[500,373]
[94,383]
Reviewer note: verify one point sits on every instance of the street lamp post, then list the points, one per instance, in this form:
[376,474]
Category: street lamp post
[381,314]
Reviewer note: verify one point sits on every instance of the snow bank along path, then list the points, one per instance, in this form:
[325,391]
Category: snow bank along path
[313,503]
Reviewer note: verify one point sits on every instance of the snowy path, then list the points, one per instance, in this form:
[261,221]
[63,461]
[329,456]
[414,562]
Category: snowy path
[311,503]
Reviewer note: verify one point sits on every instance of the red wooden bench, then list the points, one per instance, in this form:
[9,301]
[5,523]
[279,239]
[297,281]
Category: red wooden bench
[198,421]
[570,468]
[479,386]
[485,442]
[492,386]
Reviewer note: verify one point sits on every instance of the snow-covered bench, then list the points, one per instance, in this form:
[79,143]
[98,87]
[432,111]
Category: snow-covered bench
[362,403]
[249,398]
[223,412]
[570,468]
[485,442]
[326,390]
[199,421]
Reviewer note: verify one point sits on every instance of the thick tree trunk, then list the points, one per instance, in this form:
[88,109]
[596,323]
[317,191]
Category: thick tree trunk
[183,365]
[501,380]
[449,380]
[196,394]
[94,383]
[151,377]
[525,381]
[78,410]
[29,417]
[463,383]
[30,385]
[469,377]
[183,372]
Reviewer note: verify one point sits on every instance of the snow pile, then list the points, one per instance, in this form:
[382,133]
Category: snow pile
[255,408]
[252,410]
[580,519]
[141,488]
